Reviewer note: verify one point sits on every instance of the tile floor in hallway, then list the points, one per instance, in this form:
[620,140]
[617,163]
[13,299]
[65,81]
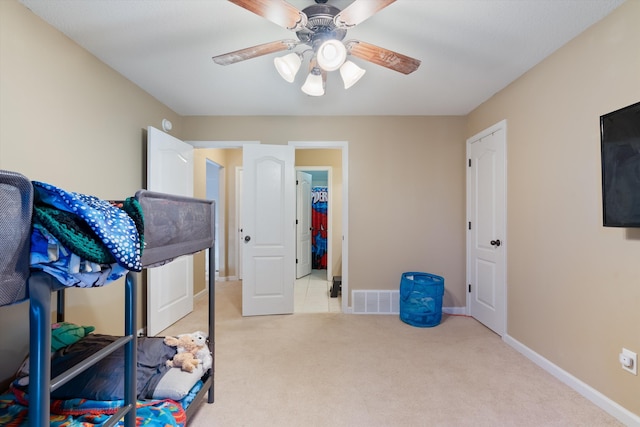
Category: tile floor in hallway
[311,294]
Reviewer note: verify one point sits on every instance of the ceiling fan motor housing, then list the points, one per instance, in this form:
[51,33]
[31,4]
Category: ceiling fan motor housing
[320,26]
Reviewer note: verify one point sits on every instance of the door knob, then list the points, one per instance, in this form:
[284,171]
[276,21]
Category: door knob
[247,238]
[496,243]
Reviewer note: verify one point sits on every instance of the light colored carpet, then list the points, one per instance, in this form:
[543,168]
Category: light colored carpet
[334,369]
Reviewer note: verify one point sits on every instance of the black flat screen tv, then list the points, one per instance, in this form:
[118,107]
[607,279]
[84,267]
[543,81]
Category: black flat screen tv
[620,151]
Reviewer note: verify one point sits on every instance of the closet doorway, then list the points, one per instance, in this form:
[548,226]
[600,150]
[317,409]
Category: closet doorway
[321,219]
[312,292]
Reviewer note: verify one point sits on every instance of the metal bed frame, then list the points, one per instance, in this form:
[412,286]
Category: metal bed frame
[18,284]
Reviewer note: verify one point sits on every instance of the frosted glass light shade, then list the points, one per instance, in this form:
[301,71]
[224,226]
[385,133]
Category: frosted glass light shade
[288,66]
[350,74]
[331,55]
[313,85]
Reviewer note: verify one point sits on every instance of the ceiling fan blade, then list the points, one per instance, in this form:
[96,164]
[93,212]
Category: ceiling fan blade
[385,57]
[254,51]
[277,11]
[359,11]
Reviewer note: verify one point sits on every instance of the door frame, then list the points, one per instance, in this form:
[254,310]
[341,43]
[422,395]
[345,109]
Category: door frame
[238,232]
[340,145]
[303,218]
[344,147]
[500,126]
[220,231]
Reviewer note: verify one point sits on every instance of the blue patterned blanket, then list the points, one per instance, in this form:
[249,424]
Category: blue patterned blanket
[14,411]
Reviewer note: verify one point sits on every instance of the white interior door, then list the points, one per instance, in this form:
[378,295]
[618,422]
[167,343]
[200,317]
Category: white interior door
[486,238]
[303,224]
[169,287]
[268,223]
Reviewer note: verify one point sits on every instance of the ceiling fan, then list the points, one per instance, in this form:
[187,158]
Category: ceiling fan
[320,30]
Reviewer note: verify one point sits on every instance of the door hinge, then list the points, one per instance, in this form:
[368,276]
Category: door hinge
[469,162]
[296,222]
[296,182]
[469,225]
[296,260]
[469,287]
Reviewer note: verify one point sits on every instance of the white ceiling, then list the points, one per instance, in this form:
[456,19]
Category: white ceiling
[470,49]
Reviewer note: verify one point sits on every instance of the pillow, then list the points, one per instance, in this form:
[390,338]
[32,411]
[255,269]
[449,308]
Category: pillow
[175,384]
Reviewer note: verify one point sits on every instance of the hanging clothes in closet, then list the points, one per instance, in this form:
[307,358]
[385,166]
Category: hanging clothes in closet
[319,201]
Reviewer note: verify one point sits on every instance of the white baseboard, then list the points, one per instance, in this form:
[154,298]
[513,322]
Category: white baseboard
[201,294]
[455,310]
[226,278]
[625,416]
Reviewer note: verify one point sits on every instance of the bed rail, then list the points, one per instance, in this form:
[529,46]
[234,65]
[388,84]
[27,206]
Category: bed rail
[16,199]
[174,226]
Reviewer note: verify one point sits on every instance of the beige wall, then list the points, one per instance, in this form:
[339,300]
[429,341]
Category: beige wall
[68,119]
[573,285]
[406,189]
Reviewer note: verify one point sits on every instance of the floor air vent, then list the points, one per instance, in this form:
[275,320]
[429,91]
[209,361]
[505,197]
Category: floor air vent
[376,302]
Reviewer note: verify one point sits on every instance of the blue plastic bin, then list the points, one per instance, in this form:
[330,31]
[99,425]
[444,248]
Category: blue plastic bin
[421,299]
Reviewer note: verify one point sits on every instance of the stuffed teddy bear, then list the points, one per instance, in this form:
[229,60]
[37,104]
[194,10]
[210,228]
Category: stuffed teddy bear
[187,347]
[203,354]
[185,361]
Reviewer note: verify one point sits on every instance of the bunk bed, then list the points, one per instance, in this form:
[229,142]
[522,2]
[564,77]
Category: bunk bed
[174,226]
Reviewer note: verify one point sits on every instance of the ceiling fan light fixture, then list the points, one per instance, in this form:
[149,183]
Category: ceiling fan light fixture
[331,55]
[322,29]
[313,86]
[350,73]
[288,66]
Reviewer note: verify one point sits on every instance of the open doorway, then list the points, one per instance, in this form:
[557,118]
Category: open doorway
[231,247]
[332,156]
[313,288]
[321,218]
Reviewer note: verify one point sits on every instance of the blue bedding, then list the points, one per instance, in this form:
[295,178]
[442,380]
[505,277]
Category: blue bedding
[14,412]
[82,240]
[105,380]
